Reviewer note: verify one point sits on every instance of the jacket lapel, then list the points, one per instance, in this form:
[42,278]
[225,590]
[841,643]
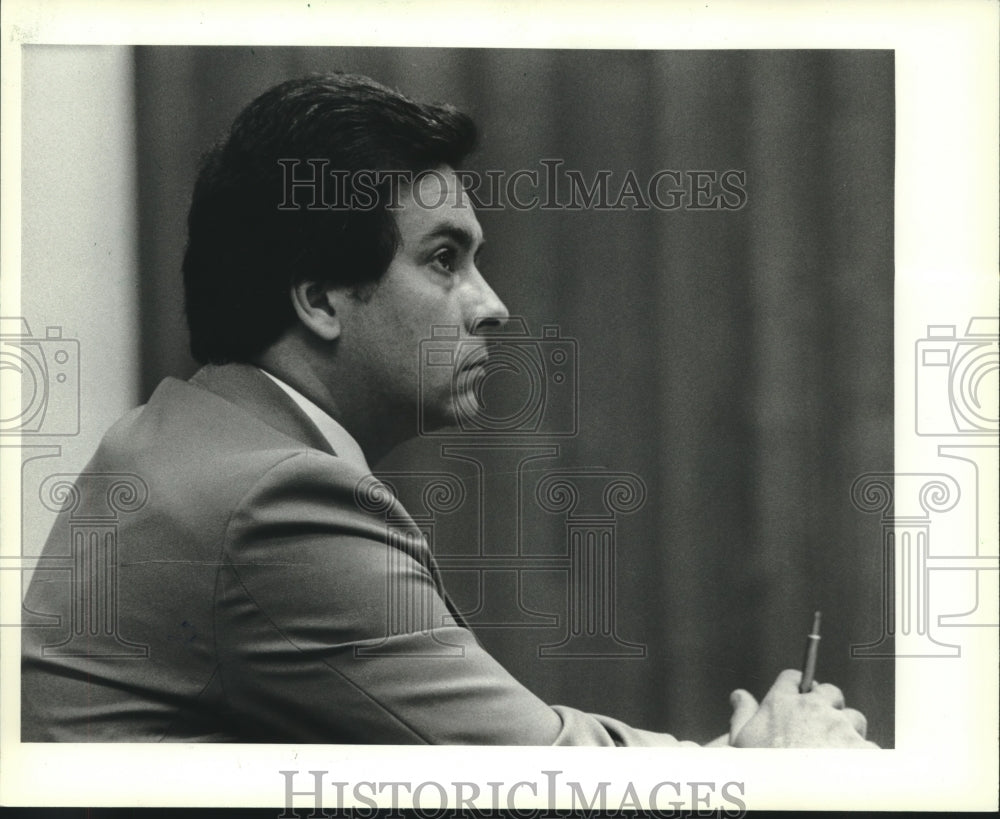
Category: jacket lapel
[248,388]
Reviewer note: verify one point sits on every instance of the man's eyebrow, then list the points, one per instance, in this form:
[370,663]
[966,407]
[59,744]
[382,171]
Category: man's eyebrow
[462,236]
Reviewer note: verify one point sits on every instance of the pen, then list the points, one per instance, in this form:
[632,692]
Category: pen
[812,649]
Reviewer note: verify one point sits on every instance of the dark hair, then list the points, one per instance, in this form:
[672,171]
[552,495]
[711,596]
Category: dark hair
[244,253]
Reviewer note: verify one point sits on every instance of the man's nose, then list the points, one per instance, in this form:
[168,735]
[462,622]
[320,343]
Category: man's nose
[491,313]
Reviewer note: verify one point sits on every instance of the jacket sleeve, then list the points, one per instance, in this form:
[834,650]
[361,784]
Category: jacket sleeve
[331,627]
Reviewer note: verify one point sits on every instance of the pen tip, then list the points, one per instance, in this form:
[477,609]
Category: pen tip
[816,619]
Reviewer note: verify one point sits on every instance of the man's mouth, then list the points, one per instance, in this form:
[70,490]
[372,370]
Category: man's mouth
[475,360]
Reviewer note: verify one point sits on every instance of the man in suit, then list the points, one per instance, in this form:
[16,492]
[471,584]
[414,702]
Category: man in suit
[253,584]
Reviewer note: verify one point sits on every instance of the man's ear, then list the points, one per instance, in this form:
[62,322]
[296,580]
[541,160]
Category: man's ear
[317,305]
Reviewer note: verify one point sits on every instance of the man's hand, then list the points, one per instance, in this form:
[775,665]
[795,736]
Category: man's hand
[788,719]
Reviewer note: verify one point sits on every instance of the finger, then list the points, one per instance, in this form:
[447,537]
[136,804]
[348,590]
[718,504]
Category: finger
[788,681]
[833,695]
[857,719]
[744,707]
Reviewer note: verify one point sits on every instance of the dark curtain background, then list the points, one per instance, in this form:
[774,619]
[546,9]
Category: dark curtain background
[738,362]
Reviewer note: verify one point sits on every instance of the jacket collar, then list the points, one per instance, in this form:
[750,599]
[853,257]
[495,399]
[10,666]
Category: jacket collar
[250,389]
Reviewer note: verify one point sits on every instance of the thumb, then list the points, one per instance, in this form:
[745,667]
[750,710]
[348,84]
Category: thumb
[744,707]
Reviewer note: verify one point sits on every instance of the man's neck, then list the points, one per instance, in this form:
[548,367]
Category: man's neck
[352,405]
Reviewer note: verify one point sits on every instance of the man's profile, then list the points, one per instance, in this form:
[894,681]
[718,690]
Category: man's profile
[253,575]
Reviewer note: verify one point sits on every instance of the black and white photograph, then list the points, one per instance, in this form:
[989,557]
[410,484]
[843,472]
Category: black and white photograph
[363,392]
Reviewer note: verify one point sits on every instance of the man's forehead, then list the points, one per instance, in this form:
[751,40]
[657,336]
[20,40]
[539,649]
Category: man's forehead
[436,188]
[436,204]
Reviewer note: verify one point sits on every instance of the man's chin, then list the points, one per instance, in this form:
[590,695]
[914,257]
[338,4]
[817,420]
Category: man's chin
[454,414]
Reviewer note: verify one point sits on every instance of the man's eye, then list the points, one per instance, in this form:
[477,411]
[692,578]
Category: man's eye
[446,259]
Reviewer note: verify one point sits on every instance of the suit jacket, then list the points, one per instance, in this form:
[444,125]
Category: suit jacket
[259,595]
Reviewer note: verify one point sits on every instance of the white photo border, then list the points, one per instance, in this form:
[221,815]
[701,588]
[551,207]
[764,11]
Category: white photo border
[946,217]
